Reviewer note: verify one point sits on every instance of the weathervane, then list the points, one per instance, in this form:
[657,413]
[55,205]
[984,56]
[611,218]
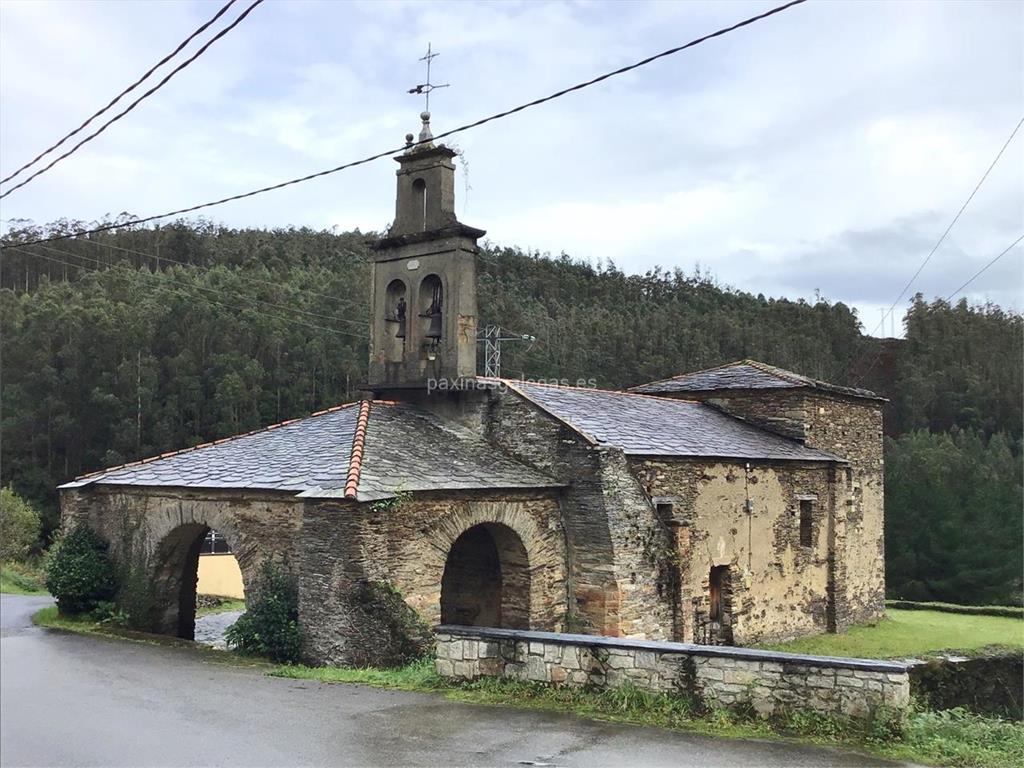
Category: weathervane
[427,87]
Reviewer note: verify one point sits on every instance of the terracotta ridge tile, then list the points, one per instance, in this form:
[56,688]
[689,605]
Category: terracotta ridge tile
[355,462]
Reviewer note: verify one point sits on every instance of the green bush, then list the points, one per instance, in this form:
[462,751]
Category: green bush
[20,526]
[270,625]
[79,573]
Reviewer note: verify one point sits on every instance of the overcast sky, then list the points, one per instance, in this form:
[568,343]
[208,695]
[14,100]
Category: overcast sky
[824,149]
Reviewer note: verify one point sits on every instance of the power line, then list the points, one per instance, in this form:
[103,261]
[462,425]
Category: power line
[445,134]
[984,269]
[123,93]
[135,103]
[214,291]
[954,221]
[942,238]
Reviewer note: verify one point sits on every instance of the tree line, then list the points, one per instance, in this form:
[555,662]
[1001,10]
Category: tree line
[142,340]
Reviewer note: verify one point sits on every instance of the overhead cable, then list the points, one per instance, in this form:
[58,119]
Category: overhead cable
[445,134]
[135,103]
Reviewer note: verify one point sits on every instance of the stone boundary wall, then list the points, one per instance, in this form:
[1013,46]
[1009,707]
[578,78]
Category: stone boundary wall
[990,684]
[770,682]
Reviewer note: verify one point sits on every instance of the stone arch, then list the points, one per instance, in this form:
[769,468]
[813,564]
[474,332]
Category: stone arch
[397,314]
[430,307]
[533,556]
[486,581]
[176,537]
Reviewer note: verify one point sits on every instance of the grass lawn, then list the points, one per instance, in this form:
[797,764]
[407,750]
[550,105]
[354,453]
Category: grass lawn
[224,605]
[21,579]
[912,633]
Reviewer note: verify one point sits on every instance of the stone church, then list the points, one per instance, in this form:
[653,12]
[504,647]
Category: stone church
[732,505]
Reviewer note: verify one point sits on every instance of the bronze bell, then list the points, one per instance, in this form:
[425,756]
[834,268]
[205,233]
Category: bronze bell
[434,330]
[400,317]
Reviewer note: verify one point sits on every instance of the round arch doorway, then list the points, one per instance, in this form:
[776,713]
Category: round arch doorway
[175,579]
[486,581]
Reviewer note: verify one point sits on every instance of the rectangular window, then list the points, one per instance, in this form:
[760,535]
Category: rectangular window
[806,529]
[664,510]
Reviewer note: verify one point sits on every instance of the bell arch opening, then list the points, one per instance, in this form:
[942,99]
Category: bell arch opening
[486,581]
[431,306]
[194,563]
[395,315]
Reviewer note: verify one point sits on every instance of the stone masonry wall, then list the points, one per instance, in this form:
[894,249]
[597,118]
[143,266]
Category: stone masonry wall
[851,428]
[770,683]
[151,532]
[405,543]
[620,554]
[779,588]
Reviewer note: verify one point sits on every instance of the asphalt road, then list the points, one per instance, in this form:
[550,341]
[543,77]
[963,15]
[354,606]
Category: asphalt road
[73,700]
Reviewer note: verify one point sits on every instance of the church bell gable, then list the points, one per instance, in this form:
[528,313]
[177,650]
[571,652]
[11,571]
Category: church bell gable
[423,308]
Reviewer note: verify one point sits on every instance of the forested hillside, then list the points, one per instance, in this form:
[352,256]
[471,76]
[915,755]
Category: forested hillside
[138,342]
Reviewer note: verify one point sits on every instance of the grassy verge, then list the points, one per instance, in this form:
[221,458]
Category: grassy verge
[955,738]
[1010,611]
[21,579]
[86,625]
[913,633]
[219,605]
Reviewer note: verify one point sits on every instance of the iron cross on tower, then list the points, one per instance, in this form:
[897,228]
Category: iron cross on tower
[427,87]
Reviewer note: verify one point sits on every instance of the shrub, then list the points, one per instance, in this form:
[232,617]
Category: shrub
[20,526]
[270,625]
[79,573]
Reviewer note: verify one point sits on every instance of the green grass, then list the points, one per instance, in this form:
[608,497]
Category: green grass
[21,579]
[958,739]
[86,625]
[913,633]
[228,604]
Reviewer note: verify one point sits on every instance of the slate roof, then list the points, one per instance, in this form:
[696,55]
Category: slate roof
[659,426]
[745,374]
[365,451]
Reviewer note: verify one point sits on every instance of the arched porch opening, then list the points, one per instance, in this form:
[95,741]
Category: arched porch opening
[486,581]
[176,576]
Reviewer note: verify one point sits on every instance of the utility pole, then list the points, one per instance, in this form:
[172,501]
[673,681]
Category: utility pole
[492,339]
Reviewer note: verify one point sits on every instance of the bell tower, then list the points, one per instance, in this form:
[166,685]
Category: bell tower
[423,277]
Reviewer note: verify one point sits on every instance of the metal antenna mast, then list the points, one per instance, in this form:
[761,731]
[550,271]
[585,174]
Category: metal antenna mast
[427,87]
[492,339]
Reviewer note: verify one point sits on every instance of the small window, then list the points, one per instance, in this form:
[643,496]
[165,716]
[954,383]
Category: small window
[215,544]
[806,522]
[664,510]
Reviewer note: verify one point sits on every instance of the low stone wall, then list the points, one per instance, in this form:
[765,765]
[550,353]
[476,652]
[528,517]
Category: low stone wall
[989,684]
[769,682]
